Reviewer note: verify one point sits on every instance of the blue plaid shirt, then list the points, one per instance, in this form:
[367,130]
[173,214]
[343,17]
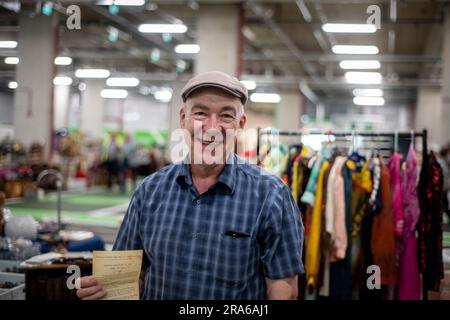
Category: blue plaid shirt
[217,245]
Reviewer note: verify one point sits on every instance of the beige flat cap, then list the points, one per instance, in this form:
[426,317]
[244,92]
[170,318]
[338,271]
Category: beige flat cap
[216,79]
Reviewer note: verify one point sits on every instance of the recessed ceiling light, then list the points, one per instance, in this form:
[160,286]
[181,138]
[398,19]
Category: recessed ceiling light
[62,81]
[114,93]
[356,77]
[163,95]
[265,97]
[13,85]
[249,84]
[368,101]
[8,44]
[360,64]
[92,73]
[349,28]
[367,92]
[187,48]
[63,61]
[121,2]
[162,28]
[353,49]
[11,60]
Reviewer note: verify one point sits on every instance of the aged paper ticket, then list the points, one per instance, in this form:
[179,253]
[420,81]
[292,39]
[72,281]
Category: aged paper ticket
[118,272]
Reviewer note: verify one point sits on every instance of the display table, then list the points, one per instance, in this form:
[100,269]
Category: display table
[91,244]
[49,281]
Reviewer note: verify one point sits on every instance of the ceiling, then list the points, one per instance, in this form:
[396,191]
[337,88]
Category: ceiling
[284,45]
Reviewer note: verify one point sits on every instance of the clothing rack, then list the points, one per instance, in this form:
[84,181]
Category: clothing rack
[342,134]
[395,137]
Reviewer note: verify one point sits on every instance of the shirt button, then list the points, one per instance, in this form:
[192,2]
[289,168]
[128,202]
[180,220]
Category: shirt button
[198,202]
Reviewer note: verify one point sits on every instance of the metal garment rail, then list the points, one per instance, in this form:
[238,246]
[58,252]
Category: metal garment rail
[400,136]
[298,133]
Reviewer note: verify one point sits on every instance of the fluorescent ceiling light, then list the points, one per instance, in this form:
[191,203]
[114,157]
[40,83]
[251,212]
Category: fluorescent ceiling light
[129,2]
[62,81]
[357,77]
[122,82]
[121,2]
[368,101]
[349,28]
[92,73]
[187,48]
[360,64]
[11,60]
[265,97]
[114,93]
[367,92]
[164,95]
[63,61]
[8,44]
[162,28]
[13,85]
[349,49]
[250,85]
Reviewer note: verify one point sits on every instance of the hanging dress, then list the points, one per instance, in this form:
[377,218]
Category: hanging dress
[383,237]
[397,201]
[409,279]
[313,254]
[429,227]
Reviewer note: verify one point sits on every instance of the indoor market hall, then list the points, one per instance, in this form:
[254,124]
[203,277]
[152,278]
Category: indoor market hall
[225,150]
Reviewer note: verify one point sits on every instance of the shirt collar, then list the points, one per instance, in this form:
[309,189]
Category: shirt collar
[184,174]
[227,177]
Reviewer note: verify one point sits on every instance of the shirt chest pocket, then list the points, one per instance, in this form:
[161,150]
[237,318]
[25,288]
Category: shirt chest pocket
[231,258]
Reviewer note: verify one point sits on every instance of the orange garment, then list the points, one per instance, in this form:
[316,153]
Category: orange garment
[383,239]
[313,253]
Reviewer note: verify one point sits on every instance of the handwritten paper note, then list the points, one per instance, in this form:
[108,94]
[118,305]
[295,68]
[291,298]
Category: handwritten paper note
[118,272]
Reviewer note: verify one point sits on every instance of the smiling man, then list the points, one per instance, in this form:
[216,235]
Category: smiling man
[212,226]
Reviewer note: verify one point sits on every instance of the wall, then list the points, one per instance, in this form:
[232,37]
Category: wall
[6,108]
[385,118]
[138,113]
[428,115]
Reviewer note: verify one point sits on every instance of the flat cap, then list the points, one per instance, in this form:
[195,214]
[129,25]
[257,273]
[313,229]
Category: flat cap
[216,79]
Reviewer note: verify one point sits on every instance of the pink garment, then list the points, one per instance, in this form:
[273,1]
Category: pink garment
[409,279]
[397,196]
[340,230]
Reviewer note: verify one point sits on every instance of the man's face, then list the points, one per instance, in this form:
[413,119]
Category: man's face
[212,117]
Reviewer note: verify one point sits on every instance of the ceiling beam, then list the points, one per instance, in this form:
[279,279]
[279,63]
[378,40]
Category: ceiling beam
[129,27]
[321,57]
[273,56]
[290,45]
[339,82]
[281,34]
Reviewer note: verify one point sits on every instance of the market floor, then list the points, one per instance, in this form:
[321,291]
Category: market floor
[94,206]
[97,209]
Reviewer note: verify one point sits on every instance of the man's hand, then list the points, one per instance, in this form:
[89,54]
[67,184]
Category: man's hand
[282,289]
[90,289]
